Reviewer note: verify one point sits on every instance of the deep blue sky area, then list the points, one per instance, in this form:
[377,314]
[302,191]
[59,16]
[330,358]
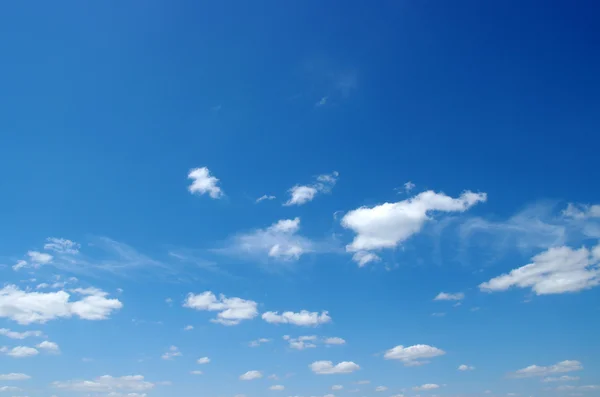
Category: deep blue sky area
[117,116]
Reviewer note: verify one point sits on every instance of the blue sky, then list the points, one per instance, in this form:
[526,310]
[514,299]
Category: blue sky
[299,199]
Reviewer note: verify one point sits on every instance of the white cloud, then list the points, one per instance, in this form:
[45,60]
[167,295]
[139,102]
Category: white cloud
[337,387]
[14,376]
[413,355]
[365,257]
[564,378]
[19,351]
[302,342]
[381,388]
[280,241]
[203,182]
[555,271]
[231,310]
[581,211]
[20,335]
[10,389]
[188,328]
[322,102]
[36,259]
[171,353]
[258,342]
[304,318]
[62,246]
[334,341]
[265,197]
[302,194]
[107,384]
[363,382]
[196,372]
[444,296]
[427,386]
[327,367]
[37,307]
[49,347]
[203,360]
[251,375]
[536,370]
[465,367]
[277,387]
[388,225]
[408,186]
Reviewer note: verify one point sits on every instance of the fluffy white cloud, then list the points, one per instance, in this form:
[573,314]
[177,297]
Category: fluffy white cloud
[203,182]
[277,387]
[582,211]
[37,307]
[427,386]
[536,370]
[231,310]
[564,378]
[280,241]
[258,342]
[19,351]
[444,296]
[302,194]
[304,318]
[337,387]
[327,367]
[389,224]
[49,347]
[36,259]
[20,335]
[465,367]
[203,360]
[62,246]
[171,353]
[381,388]
[251,375]
[14,376]
[334,341]
[302,342]
[413,355]
[107,384]
[555,271]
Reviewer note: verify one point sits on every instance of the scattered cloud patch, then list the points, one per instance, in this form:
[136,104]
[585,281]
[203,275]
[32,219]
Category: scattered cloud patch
[49,347]
[334,341]
[381,388]
[188,328]
[365,257]
[20,335]
[427,386]
[555,271]
[465,367]
[62,246]
[107,384]
[413,355]
[337,387]
[171,353]
[19,351]
[536,370]
[14,377]
[302,194]
[265,197]
[196,372]
[277,388]
[231,310]
[304,318]
[301,342]
[26,307]
[204,183]
[328,368]
[258,342]
[203,360]
[444,296]
[564,378]
[251,375]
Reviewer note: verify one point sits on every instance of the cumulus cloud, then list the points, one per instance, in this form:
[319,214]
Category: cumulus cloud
[14,377]
[49,347]
[203,360]
[19,351]
[20,335]
[337,387]
[107,384]
[188,328]
[413,355]
[365,257]
[465,367]
[62,246]
[582,211]
[301,342]
[327,367]
[427,386]
[304,318]
[38,307]
[334,341]
[251,375]
[204,183]
[444,296]
[277,387]
[302,194]
[555,271]
[536,370]
[231,310]
[35,260]
[388,225]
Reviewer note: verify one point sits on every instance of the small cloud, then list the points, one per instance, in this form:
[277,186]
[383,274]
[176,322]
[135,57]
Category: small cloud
[203,360]
[188,328]
[427,386]
[265,197]
[303,318]
[328,368]
[277,387]
[381,388]
[302,194]
[251,375]
[172,353]
[196,372]
[321,102]
[258,342]
[465,367]
[444,296]
[203,182]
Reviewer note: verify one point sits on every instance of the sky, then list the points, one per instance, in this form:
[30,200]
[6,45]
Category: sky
[303,198]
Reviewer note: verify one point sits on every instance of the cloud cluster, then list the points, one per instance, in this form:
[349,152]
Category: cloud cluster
[231,310]
[328,368]
[536,370]
[251,375]
[107,384]
[302,194]
[27,307]
[303,318]
[444,296]
[20,335]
